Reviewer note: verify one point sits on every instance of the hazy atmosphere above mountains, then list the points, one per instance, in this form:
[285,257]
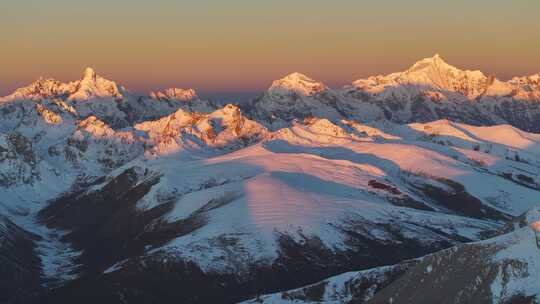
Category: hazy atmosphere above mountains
[231,50]
[269,152]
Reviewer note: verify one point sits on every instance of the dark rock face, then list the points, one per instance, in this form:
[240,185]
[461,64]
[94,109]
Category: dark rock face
[353,287]
[105,223]
[20,267]
[18,160]
[454,283]
[522,114]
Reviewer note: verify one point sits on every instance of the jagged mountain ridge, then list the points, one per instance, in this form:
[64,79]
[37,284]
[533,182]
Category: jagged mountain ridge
[226,128]
[430,89]
[88,87]
[43,142]
[218,201]
[94,95]
[431,72]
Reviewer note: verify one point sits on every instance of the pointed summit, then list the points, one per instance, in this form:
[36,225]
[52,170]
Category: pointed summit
[297,83]
[92,86]
[435,62]
[296,76]
[430,74]
[436,57]
[89,73]
[436,73]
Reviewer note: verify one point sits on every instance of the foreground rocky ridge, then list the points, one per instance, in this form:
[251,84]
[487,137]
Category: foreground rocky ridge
[169,198]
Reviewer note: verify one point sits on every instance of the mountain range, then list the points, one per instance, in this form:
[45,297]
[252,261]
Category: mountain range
[305,194]
[429,90]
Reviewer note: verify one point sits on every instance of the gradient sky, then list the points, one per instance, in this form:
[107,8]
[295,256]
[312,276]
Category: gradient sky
[236,47]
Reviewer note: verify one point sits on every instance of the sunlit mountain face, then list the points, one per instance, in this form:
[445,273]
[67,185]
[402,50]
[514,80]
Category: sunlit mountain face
[305,193]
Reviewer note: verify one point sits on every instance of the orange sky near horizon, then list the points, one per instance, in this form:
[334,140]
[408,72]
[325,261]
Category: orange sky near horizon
[240,46]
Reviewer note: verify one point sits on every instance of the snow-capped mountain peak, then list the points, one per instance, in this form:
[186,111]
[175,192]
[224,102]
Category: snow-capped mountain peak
[176,94]
[92,86]
[89,74]
[39,89]
[434,61]
[432,73]
[297,83]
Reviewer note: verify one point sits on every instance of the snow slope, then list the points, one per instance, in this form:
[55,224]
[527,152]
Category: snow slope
[328,195]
